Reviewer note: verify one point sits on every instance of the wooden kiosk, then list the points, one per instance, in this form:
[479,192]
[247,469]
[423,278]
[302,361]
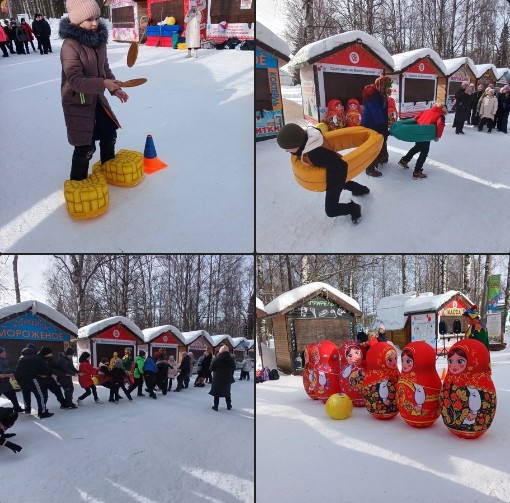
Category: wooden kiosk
[415,83]
[197,342]
[486,74]
[167,337]
[338,67]
[34,322]
[310,313]
[458,71]
[271,52]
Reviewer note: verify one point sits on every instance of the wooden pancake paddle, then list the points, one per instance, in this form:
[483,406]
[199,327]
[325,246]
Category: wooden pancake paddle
[130,83]
[132,54]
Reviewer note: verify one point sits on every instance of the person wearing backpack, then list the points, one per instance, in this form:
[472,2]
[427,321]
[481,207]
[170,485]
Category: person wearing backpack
[150,370]
[138,374]
[223,367]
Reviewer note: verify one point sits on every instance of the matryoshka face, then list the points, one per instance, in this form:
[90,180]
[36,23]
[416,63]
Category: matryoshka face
[407,363]
[354,356]
[456,363]
[391,359]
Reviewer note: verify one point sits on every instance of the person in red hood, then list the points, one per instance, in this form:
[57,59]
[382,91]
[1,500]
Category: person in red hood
[434,115]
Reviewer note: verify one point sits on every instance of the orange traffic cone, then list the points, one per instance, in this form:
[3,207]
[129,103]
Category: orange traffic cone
[443,375]
[151,163]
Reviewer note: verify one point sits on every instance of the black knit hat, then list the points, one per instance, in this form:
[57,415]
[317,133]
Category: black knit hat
[141,353]
[45,350]
[291,136]
[69,351]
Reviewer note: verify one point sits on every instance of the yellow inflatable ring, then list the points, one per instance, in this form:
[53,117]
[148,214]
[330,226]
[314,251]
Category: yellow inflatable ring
[368,143]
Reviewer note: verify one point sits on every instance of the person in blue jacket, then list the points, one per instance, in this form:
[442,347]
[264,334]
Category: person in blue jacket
[375,116]
[150,369]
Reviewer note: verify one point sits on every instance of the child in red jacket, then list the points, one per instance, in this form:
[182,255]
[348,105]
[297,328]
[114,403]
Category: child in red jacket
[434,115]
[86,371]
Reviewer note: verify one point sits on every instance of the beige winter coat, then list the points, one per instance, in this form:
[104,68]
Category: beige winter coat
[489,107]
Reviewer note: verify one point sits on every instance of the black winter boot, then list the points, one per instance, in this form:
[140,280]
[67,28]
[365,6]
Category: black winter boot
[356,188]
[355,212]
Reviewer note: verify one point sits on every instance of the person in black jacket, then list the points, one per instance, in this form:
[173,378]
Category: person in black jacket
[223,367]
[30,365]
[118,376]
[6,372]
[204,369]
[65,364]
[8,417]
[184,370]
[162,375]
[381,334]
[475,111]
[312,148]
[42,32]
[463,99]
[46,380]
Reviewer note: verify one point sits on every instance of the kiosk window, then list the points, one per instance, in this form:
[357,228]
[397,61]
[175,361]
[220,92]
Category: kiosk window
[262,90]
[123,17]
[419,90]
[344,86]
[453,88]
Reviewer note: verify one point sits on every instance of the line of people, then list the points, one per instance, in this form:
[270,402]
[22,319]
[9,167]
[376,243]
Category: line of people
[15,37]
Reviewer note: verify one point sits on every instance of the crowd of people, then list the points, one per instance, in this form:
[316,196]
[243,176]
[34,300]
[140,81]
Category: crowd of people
[18,37]
[39,372]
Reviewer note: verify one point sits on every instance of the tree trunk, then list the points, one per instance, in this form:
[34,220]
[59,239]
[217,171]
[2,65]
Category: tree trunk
[466,275]
[483,306]
[404,275]
[16,279]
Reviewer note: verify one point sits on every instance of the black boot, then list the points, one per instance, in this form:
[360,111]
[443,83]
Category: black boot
[356,188]
[81,158]
[355,212]
[107,150]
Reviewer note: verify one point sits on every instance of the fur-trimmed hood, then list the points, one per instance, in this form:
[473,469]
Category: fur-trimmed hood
[86,37]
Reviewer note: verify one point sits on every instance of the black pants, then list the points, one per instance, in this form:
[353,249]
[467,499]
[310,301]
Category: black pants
[180,382]
[333,190]
[11,395]
[245,374]
[150,382]
[490,123]
[67,385]
[170,382]
[4,49]
[36,389]
[163,384]
[91,389]
[228,400]
[19,47]
[49,384]
[44,44]
[114,390]
[421,147]
[10,46]
[138,383]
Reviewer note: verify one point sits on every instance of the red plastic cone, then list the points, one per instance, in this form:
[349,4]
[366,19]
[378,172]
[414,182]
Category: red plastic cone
[151,163]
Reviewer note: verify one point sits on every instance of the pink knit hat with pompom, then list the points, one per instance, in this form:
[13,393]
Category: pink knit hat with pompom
[81,10]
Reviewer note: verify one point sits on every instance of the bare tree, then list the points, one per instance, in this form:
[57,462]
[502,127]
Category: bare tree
[16,279]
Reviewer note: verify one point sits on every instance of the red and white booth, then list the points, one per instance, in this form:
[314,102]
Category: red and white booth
[415,81]
[458,71]
[486,74]
[197,342]
[104,337]
[165,337]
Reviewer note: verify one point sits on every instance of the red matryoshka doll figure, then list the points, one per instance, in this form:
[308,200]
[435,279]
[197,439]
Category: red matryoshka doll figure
[419,385]
[353,113]
[392,112]
[327,370]
[380,383]
[335,118]
[310,376]
[352,372]
[468,397]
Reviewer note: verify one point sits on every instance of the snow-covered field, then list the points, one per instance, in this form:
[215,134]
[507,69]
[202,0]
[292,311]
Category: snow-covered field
[173,449]
[200,114]
[458,207]
[303,455]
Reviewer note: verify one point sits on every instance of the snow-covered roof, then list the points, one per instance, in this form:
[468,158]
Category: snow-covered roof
[39,307]
[236,341]
[218,339]
[270,40]
[390,311]
[259,306]
[404,60]
[314,51]
[99,326]
[500,72]
[452,65]
[428,303]
[192,336]
[150,334]
[288,300]
[481,69]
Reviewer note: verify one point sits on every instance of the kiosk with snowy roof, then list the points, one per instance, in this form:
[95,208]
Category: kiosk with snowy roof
[414,86]
[219,340]
[458,71]
[34,322]
[165,337]
[309,314]
[502,76]
[197,342]
[486,74]
[108,336]
[338,67]
[270,52]
[436,319]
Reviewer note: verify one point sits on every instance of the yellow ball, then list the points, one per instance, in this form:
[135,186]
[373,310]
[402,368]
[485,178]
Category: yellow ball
[170,20]
[323,127]
[339,406]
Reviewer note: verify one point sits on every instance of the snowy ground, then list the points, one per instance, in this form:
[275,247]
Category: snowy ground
[457,207]
[171,449]
[200,114]
[303,455]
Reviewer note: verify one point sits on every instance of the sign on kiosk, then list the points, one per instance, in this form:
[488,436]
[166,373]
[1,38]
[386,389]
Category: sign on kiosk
[30,327]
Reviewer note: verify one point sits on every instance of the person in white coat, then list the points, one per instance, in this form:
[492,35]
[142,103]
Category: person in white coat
[488,109]
[193,19]
[173,371]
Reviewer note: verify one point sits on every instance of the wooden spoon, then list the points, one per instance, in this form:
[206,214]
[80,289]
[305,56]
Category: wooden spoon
[131,82]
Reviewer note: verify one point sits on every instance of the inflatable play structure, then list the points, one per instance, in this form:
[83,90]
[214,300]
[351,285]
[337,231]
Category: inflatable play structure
[379,385]
[86,198]
[410,130]
[419,385]
[125,170]
[352,372]
[309,372]
[468,395]
[366,142]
